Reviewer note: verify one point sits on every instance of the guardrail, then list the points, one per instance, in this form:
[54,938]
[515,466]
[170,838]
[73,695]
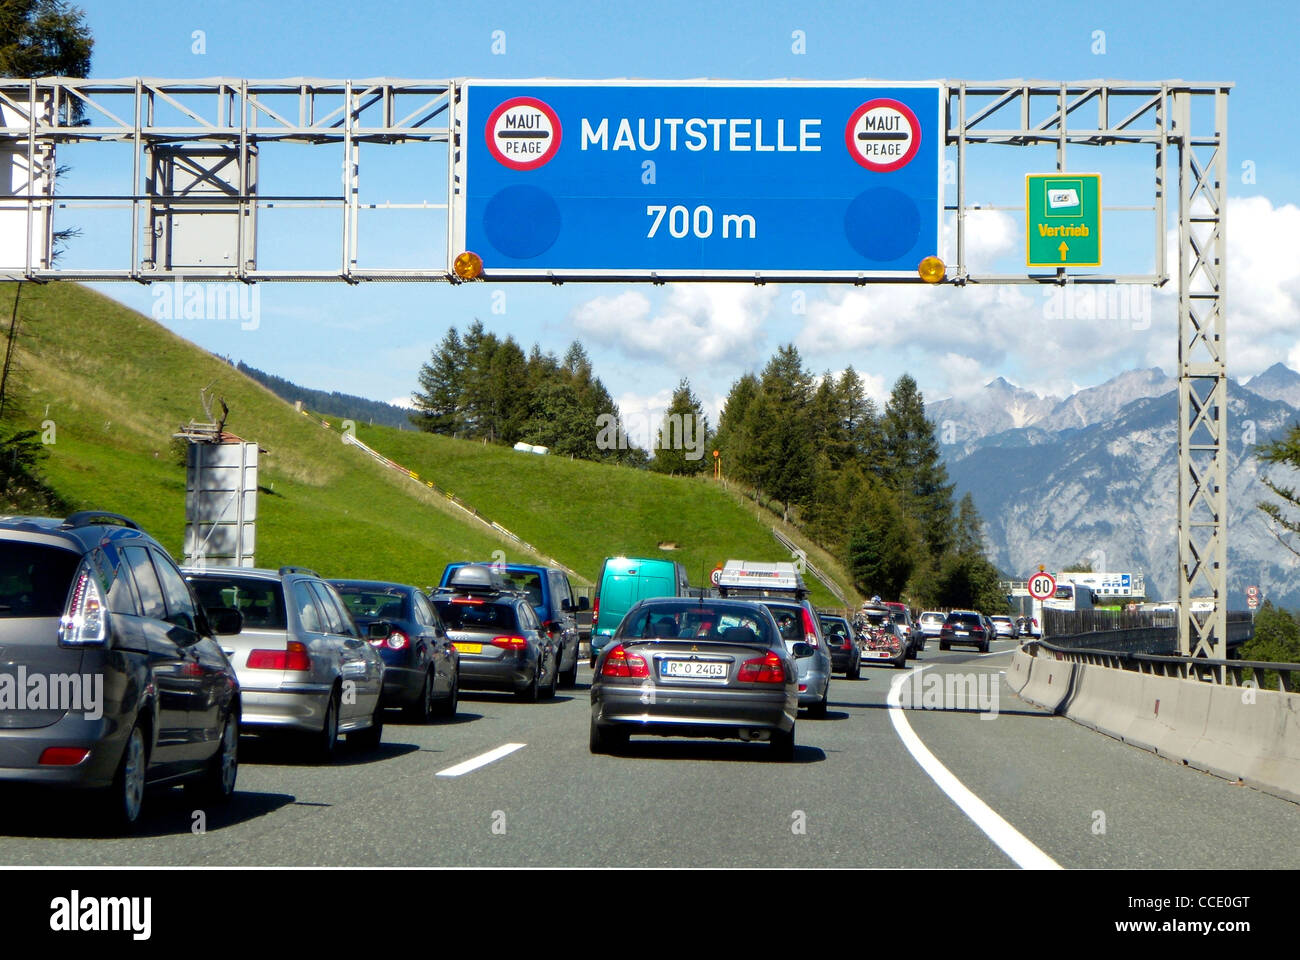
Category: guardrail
[1137,636]
[798,552]
[1236,673]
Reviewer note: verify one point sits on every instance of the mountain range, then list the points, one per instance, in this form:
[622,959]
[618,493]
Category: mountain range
[1093,477]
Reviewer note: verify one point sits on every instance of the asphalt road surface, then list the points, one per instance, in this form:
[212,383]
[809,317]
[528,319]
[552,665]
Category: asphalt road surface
[513,784]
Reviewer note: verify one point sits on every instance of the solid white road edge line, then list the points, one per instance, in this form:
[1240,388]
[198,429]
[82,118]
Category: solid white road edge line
[1007,838]
[482,760]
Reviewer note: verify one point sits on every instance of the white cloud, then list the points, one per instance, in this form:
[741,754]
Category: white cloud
[642,413]
[965,375]
[1053,339]
[696,325]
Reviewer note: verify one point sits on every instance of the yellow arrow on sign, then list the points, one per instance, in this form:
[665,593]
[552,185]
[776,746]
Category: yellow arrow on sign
[1064,248]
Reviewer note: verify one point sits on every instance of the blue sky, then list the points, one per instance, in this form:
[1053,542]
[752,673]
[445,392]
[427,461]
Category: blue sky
[371,339]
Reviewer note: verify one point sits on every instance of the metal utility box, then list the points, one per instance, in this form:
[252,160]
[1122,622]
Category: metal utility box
[202,209]
[221,504]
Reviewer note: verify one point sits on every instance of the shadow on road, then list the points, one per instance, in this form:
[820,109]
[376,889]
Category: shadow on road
[168,811]
[460,717]
[725,751]
[277,752]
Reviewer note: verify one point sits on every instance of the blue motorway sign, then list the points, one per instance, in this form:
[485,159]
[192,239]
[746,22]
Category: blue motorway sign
[699,179]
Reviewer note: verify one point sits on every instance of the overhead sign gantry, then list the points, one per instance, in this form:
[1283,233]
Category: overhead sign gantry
[556,180]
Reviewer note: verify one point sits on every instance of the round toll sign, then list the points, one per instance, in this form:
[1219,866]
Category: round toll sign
[1042,586]
[883,135]
[523,133]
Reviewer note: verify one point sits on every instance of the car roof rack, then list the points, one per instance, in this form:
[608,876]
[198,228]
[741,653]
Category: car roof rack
[86,518]
[305,571]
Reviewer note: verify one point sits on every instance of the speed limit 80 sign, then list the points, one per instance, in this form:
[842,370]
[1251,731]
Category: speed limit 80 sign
[1042,586]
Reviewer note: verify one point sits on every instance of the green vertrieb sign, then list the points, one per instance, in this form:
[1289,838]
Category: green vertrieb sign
[1063,220]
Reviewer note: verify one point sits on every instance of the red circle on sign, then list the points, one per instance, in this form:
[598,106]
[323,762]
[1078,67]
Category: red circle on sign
[909,118]
[544,157]
[1040,595]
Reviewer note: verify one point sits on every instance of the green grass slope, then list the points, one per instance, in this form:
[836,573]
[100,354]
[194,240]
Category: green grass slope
[117,385]
[582,512]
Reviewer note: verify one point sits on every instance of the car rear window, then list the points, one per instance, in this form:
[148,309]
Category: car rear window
[696,621]
[260,601]
[462,615]
[375,603]
[530,584]
[34,579]
[790,621]
[964,618]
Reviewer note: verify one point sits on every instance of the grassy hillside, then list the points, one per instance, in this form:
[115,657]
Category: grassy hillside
[582,512]
[117,385]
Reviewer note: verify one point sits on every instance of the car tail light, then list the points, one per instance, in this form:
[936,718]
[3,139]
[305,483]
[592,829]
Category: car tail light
[803,688]
[397,640]
[510,643]
[809,631]
[551,626]
[293,657]
[620,663]
[85,622]
[63,756]
[767,669]
[595,611]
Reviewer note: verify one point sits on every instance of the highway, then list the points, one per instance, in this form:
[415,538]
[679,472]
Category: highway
[856,796]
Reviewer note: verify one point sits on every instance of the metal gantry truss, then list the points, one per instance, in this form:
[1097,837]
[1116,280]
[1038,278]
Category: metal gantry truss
[225,121]
[195,154]
[1177,119]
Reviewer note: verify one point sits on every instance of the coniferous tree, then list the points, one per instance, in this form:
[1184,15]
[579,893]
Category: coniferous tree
[912,466]
[684,437]
[732,440]
[438,399]
[777,422]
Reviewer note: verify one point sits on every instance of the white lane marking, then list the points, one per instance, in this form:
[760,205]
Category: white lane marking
[1007,838]
[482,760]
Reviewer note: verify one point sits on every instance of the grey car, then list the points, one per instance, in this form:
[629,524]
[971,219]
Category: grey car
[500,642]
[137,691]
[678,667]
[798,623]
[304,666]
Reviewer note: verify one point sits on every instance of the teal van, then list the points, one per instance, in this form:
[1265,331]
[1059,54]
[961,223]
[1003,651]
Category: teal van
[625,581]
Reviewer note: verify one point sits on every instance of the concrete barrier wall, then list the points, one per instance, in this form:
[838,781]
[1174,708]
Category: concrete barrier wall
[1018,670]
[1049,682]
[1237,733]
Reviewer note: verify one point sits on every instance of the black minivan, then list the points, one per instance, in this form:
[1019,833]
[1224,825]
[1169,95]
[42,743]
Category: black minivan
[111,677]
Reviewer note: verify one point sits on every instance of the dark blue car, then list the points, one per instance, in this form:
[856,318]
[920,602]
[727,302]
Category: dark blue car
[421,667]
[551,596]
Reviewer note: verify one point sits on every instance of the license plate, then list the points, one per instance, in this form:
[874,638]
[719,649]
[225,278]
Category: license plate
[877,654]
[468,647]
[693,669]
[961,633]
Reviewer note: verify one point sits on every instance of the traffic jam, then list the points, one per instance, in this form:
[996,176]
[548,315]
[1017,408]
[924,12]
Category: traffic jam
[124,671]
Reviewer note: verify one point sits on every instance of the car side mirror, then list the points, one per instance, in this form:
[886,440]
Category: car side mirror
[802,651]
[584,603]
[379,630]
[226,621]
[566,605]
